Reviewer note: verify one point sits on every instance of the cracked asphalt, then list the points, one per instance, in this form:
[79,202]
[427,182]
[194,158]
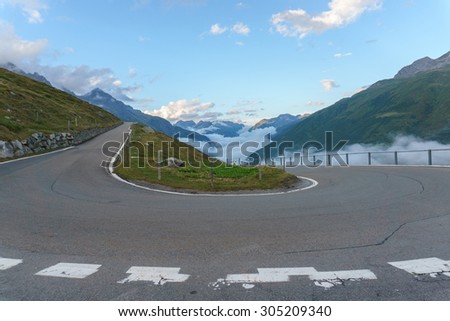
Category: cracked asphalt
[65,208]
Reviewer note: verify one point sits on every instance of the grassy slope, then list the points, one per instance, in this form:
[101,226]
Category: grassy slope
[418,106]
[28,106]
[194,177]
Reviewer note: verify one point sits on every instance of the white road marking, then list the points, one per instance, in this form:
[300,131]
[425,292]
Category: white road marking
[70,270]
[6,264]
[313,184]
[329,279]
[269,275]
[431,266]
[323,279]
[157,275]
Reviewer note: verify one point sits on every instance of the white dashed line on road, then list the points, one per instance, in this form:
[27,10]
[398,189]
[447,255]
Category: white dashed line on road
[156,275]
[6,264]
[431,266]
[70,270]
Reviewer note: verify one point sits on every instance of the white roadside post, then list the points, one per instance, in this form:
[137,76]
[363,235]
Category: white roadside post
[212,175]
[260,172]
[159,164]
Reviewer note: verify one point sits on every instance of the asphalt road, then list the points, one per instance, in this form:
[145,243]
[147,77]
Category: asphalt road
[65,208]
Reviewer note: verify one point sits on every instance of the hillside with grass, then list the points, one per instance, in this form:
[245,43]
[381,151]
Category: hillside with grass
[418,105]
[28,106]
[140,164]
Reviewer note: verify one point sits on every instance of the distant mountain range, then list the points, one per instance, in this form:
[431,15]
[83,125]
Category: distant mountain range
[224,128]
[416,102]
[127,113]
[280,123]
[233,129]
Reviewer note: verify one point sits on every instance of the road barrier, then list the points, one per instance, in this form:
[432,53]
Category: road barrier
[421,157]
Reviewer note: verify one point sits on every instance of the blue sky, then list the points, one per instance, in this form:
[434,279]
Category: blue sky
[222,59]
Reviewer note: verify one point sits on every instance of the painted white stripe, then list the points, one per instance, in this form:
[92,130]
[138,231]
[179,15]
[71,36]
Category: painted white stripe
[343,275]
[113,160]
[432,266]
[6,264]
[277,275]
[329,279]
[269,275]
[156,275]
[70,270]
[313,184]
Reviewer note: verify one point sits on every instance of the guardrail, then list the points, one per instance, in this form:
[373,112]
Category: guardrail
[424,157]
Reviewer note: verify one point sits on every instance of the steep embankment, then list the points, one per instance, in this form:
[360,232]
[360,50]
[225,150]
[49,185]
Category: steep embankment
[36,117]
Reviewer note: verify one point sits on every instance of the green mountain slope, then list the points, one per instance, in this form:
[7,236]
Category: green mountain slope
[419,106]
[28,106]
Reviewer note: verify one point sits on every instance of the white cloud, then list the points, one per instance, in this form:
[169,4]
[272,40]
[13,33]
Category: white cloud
[245,136]
[132,72]
[315,103]
[360,89]
[184,109]
[329,84]
[15,49]
[82,79]
[233,112]
[342,55]
[247,112]
[299,23]
[143,39]
[31,8]
[216,30]
[240,29]
[247,103]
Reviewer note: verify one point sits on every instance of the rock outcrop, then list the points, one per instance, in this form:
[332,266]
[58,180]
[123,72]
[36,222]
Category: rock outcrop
[39,142]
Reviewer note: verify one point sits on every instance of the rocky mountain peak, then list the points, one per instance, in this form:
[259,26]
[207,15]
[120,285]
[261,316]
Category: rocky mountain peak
[423,65]
[12,67]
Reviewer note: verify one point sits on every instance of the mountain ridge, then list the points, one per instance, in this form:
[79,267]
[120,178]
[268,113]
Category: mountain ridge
[423,65]
[280,123]
[126,112]
[35,76]
[219,127]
